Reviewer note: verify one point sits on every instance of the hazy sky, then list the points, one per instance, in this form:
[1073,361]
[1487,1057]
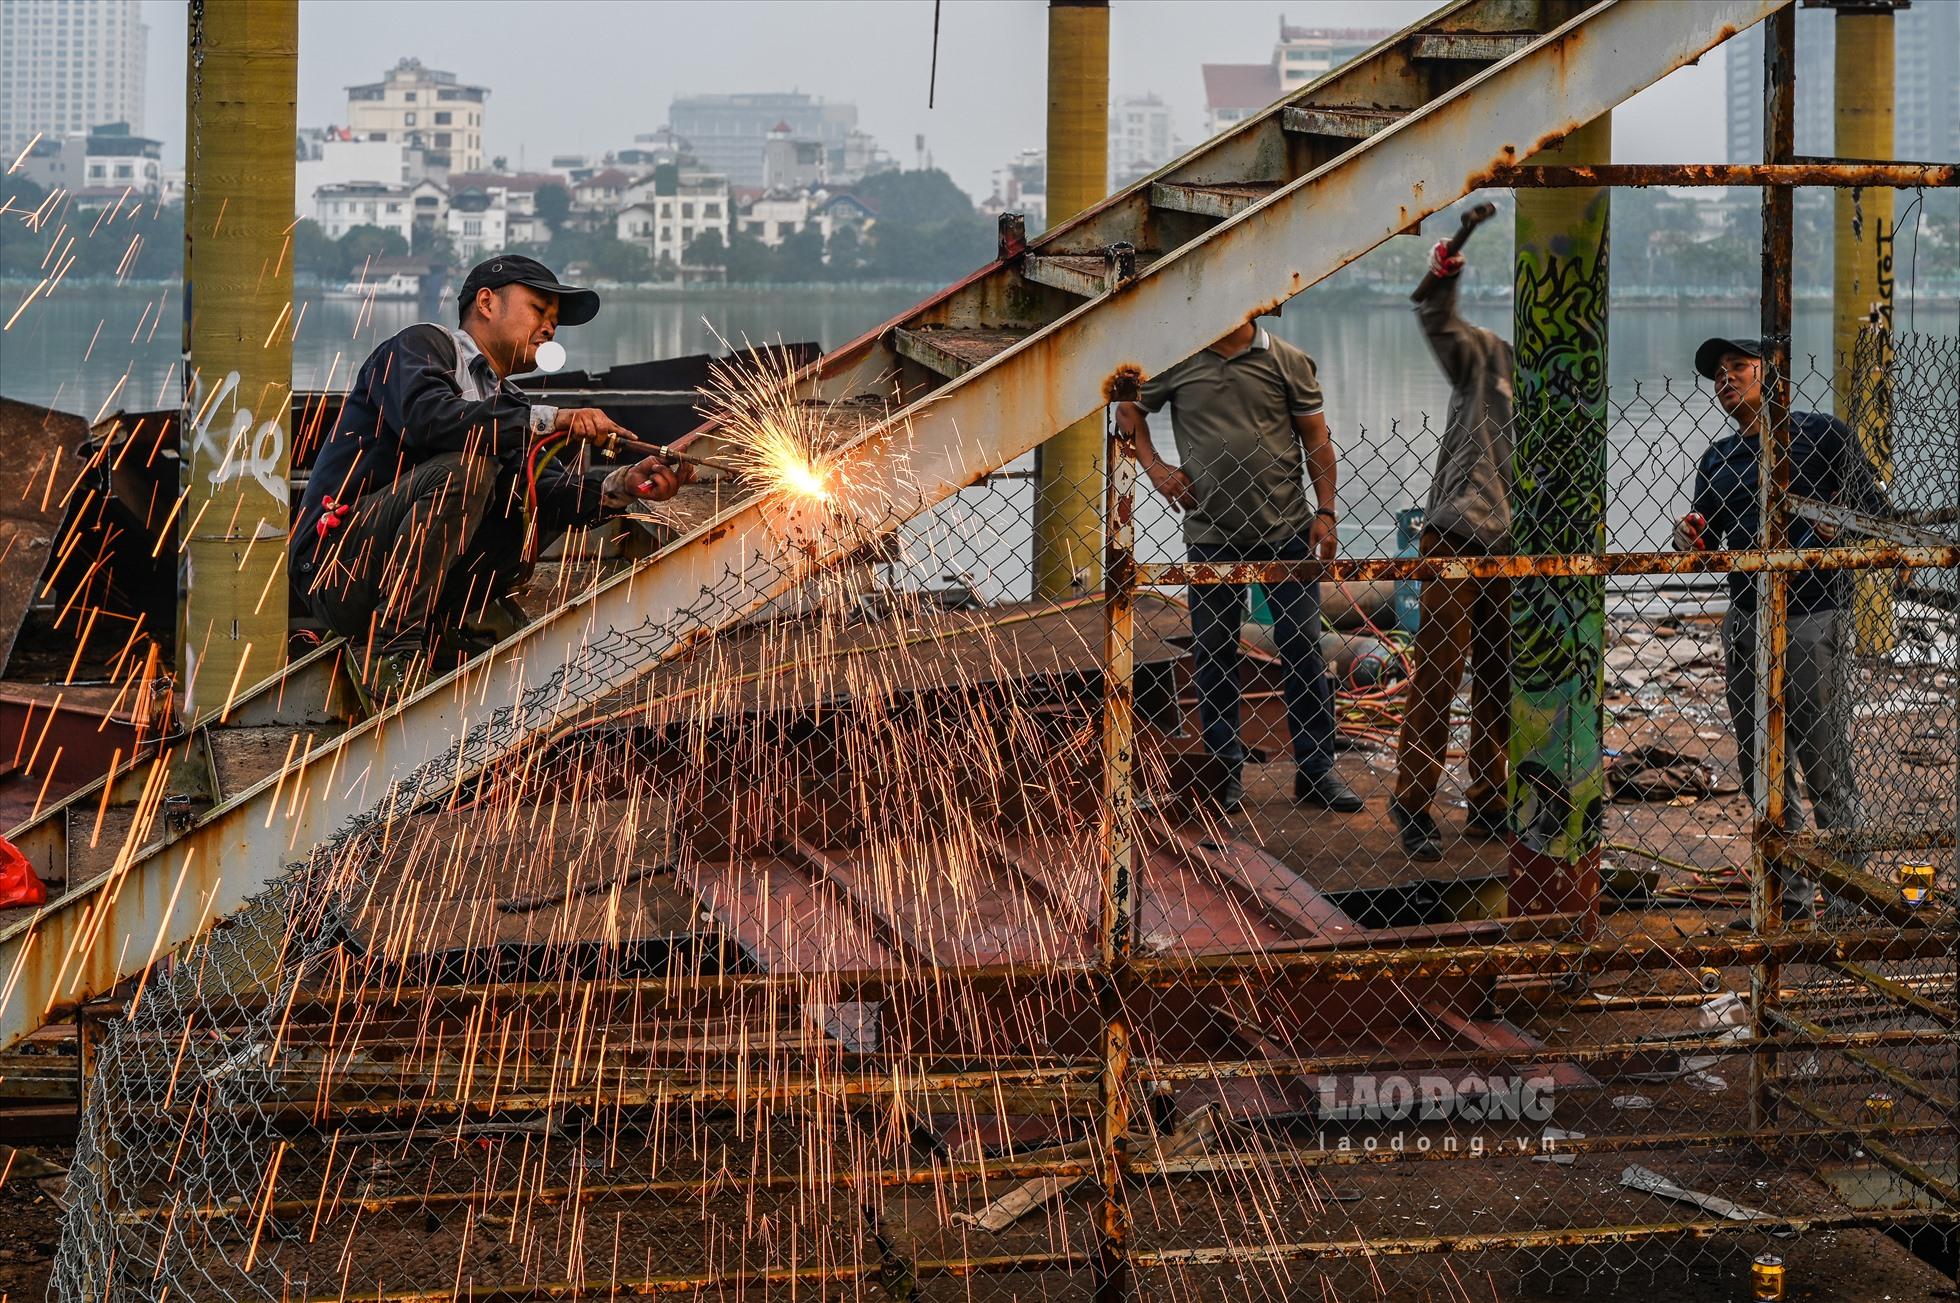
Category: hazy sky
[585,75]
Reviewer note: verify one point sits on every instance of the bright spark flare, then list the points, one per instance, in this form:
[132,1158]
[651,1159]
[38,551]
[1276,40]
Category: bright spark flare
[775,439]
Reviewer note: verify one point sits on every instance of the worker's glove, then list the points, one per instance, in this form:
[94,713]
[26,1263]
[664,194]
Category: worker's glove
[1690,533]
[1442,263]
[649,479]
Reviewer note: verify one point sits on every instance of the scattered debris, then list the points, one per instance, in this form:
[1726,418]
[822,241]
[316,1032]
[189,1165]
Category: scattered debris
[1659,773]
[1191,1133]
[1636,1177]
[1550,1138]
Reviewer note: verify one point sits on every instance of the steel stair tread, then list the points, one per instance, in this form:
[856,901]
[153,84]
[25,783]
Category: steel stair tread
[952,351]
[1086,274]
[1217,199]
[1344,122]
[1469,47]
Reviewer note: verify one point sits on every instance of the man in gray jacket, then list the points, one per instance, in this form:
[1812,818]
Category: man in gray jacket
[1469,513]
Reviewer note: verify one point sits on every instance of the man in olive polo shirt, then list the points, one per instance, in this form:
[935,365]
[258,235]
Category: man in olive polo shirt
[1246,416]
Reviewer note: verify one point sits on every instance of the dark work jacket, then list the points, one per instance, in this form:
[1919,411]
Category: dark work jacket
[1825,464]
[1470,493]
[410,402]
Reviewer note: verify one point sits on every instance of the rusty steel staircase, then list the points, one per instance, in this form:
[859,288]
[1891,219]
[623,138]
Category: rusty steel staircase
[984,371]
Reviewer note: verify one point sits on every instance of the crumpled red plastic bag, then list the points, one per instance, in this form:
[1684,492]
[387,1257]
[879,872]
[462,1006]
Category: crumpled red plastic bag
[19,885]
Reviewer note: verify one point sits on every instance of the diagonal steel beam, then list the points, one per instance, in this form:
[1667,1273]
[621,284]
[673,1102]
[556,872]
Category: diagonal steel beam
[83,943]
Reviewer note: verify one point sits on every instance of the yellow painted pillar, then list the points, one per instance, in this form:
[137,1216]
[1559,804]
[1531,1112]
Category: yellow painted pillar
[1861,287]
[235,436]
[1068,483]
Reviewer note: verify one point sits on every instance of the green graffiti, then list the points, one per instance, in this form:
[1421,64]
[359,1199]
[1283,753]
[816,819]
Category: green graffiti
[1558,779]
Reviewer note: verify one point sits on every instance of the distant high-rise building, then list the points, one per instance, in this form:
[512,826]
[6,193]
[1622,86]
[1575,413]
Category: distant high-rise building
[423,107]
[729,132]
[68,66]
[1926,85]
[1234,91]
[1140,138]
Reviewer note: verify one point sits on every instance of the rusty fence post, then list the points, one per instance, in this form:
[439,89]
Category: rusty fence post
[1118,845]
[1772,609]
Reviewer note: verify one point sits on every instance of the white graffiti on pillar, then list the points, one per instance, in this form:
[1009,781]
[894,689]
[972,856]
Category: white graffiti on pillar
[234,458]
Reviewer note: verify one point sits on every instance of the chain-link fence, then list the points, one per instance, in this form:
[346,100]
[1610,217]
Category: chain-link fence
[1230,923]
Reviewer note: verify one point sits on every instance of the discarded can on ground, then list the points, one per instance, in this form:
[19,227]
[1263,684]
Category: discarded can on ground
[1916,883]
[1878,1106]
[1711,980]
[1766,1278]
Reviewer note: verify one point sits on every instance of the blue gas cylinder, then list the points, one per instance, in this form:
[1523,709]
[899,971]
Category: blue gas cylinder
[1408,592]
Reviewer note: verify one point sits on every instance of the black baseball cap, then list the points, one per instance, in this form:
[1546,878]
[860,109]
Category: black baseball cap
[1708,358]
[575,306]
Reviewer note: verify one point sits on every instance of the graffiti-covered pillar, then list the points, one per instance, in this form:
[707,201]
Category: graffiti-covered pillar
[1558,624]
[243,78]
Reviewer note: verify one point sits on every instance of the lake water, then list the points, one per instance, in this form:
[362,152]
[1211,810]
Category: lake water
[92,349]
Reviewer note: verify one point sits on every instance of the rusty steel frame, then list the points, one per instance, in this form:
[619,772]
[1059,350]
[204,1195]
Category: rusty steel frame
[1118,814]
[1772,639]
[1825,173]
[1164,1259]
[1898,992]
[1346,961]
[1078,1082]
[1119,973]
[1548,1238]
[1909,1085]
[1912,1173]
[739,1281]
[1859,556]
[1862,522]
[953,1173]
[1512,1147]
[1874,894]
[100,933]
[1894,839]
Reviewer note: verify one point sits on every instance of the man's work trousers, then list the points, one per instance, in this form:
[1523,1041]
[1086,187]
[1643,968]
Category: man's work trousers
[1816,725]
[414,557]
[1461,620]
[1217,614]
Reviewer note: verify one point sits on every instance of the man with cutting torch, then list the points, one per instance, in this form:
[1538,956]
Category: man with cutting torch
[441,480]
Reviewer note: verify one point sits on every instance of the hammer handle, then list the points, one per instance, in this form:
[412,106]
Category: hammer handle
[1471,220]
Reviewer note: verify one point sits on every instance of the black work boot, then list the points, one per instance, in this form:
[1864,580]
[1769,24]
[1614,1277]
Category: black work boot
[1420,836]
[387,674]
[1224,784]
[1486,825]
[1212,784]
[1325,791]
